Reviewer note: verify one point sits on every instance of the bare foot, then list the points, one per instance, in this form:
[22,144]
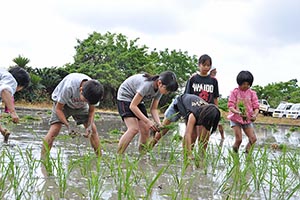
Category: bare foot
[6,134]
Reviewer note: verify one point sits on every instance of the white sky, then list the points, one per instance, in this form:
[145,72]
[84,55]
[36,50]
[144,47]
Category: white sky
[262,36]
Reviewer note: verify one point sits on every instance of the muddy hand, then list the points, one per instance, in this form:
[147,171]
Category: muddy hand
[14,117]
[88,131]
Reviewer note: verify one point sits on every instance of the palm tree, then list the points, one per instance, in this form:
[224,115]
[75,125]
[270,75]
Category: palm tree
[21,61]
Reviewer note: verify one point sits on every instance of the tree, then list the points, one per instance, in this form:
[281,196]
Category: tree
[277,92]
[111,58]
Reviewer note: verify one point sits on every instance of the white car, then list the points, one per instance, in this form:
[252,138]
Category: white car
[282,109]
[294,112]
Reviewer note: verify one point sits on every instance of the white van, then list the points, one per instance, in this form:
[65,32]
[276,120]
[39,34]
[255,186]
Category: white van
[282,109]
[294,112]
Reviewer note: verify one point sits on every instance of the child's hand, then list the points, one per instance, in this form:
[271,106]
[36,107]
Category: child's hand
[152,126]
[88,131]
[14,117]
[253,118]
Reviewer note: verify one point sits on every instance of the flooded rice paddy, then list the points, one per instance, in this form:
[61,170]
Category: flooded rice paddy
[73,172]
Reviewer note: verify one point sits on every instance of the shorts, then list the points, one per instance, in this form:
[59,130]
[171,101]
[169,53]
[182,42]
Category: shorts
[79,115]
[243,126]
[124,110]
[172,114]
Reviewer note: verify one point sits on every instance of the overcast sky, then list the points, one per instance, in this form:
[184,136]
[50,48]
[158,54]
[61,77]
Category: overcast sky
[262,36]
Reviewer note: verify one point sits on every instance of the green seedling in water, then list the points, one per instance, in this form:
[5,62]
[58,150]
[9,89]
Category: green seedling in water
[242,109]
[294,129]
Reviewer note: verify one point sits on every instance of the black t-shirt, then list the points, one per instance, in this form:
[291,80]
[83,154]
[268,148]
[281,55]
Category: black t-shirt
[205,87]
[189,103]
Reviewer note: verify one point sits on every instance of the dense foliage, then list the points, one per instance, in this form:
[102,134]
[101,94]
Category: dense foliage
[276,92]
[111,58]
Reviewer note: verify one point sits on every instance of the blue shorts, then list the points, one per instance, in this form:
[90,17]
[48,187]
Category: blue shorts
[171,113]
[232,124]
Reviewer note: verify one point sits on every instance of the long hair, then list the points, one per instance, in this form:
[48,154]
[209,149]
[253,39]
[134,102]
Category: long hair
[209,117]
[168,78]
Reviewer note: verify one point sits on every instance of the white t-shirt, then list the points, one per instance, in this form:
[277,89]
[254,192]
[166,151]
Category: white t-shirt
[8,82]
[68,91]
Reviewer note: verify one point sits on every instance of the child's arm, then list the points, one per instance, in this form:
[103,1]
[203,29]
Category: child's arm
[154,111]
[91,115]
[134,108]
[188,135]
[7,99]
[216,102]
[160,133]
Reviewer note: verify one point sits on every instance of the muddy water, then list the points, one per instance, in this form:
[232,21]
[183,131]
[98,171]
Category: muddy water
[174,183]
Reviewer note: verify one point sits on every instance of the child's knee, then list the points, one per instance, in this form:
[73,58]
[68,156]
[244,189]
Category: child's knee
[253,139]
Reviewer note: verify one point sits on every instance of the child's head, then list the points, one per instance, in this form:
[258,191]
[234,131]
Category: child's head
[168,79]
[92,91]
[244,79]
[204,64]
[209,117]
[21,76]
[213,71]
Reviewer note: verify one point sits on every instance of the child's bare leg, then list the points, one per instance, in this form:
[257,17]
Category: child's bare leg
[251,136]
[221,130]
[144,135]
[49,138]
[132,130]
[238,138]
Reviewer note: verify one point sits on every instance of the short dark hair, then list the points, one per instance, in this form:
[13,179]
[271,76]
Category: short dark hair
[168,79]
[244,76]
[209,117]
[93,91]
[21,76]
[204,58]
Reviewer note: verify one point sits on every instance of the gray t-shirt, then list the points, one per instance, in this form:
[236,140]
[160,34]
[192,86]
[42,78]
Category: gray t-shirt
[68,91]
[8,82]
[137,84]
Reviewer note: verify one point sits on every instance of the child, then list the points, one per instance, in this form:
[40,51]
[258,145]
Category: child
[196,112]
[244,107]
[201,84]
[12,81]
[131,107]
[75,96]
[213,73]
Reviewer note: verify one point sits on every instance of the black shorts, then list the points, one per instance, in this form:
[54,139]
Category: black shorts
[124,110]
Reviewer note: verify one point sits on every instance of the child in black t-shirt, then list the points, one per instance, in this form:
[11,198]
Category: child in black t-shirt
[196,112]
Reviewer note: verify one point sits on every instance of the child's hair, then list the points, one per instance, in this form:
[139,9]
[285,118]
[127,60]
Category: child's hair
[209,117]
[167,78]
[93,91]
[204,59]
[244,76]
[21,76]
